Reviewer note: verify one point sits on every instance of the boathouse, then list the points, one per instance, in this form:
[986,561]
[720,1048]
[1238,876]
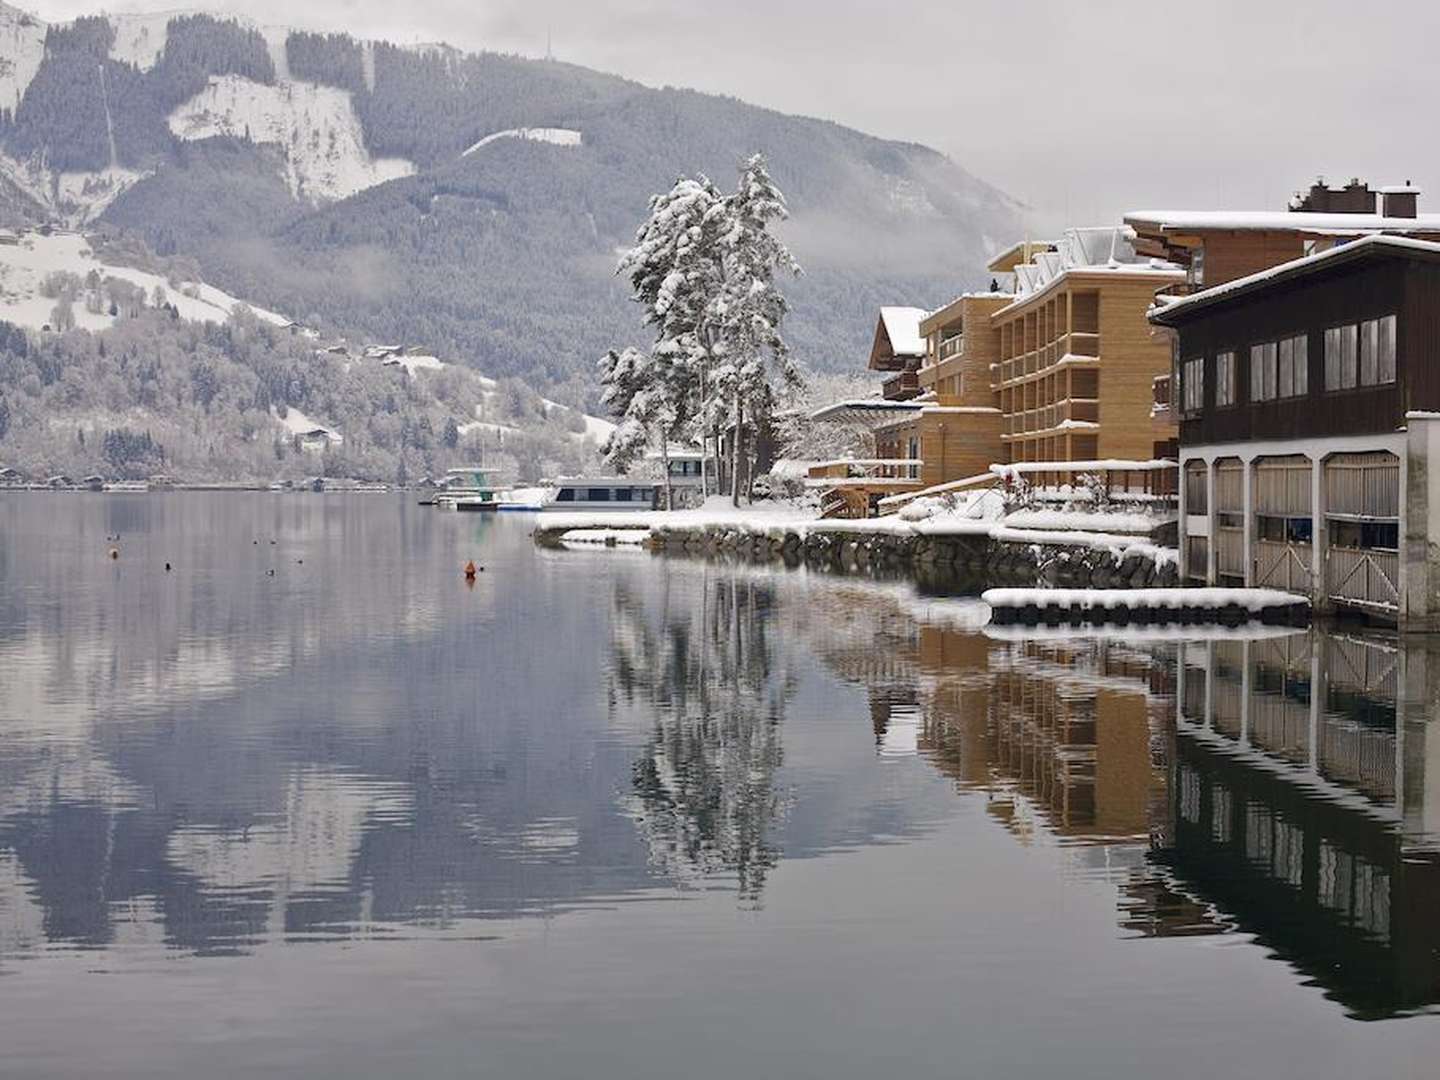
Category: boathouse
[1309,408]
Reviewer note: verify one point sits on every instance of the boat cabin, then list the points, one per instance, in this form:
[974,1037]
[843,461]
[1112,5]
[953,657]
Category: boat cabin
[618,493]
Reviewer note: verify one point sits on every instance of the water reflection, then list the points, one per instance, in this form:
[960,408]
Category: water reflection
[215,760]
[709,679]
[1307,804]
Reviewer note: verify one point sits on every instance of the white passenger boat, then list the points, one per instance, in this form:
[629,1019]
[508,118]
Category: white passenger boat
[605,493]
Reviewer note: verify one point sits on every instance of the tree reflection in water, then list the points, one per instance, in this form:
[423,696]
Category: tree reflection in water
[704,666]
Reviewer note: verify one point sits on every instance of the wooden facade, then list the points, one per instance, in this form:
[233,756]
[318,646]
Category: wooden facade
[1077,368]
[1310,419]
[1341,291]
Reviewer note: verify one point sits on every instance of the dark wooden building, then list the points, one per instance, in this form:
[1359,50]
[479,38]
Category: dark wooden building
[1306,396]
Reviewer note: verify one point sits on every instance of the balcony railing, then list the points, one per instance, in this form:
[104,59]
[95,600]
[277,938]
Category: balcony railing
[952,346]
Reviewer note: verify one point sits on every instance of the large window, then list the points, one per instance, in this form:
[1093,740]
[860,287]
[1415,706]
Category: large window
[1340,358]
[1377,351]
[1294,375]
[1263,371]
[1224,379]
[1192,385]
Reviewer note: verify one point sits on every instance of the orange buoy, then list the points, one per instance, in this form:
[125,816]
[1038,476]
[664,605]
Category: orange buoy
[470,569]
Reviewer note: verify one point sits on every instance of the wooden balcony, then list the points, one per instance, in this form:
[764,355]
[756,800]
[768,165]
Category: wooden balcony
[901,387]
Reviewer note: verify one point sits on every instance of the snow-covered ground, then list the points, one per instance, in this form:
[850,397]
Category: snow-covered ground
[553,136]
[314,126]
[981,515]
[74,197]
[24,266]
[296,422]
[140,37]
[22,43]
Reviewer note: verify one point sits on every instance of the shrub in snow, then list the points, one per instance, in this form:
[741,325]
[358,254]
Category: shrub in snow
[1097,490]
[1018,494]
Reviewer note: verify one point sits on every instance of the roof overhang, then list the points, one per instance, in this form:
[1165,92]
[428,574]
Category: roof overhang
[866,412]
[1368,247]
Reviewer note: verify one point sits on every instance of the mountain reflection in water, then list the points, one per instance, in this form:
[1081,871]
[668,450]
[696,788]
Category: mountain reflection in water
[216,762]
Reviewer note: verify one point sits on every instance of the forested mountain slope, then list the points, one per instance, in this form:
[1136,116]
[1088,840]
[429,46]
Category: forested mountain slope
[470,203]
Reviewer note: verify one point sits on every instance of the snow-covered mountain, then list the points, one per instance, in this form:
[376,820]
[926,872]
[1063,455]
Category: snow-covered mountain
[473,202]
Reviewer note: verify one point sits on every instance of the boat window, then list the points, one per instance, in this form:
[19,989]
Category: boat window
[566,495]
[622,494]
[599,494]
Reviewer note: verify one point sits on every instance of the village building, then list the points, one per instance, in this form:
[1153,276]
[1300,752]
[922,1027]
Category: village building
[953,431]
[1309,409]
[1076,360]
[1216,246]
[1056,363]
[897,351]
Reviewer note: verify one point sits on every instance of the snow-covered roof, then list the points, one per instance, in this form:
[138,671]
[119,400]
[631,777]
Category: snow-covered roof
[1280,221]
[1102,248]
[902,327]
[1377,243]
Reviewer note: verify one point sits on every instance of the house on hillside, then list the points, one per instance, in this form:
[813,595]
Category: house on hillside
[1309,407]
[317,439]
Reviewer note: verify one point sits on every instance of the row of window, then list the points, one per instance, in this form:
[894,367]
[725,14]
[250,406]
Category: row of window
[1358,354]
[605,494]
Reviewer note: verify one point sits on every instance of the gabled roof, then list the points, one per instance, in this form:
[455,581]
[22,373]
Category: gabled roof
[1373,246]
[902,327]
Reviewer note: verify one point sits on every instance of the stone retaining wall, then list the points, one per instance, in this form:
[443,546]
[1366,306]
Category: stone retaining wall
[977,559]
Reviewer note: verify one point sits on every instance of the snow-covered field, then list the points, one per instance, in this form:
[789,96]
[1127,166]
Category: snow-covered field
[314,126]
[24,266]
[22,43]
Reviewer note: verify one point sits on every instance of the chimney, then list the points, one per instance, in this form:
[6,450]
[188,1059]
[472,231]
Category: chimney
[1354,198]
[1399,201]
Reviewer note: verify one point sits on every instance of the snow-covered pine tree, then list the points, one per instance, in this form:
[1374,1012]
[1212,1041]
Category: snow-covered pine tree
[675,270]
[753,362]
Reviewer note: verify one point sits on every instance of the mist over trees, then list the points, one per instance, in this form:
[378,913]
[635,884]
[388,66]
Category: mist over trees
[502,258]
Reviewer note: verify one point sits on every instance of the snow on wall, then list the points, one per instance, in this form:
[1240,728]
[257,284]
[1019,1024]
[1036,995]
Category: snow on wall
[24,266]
[554,136]
[22,44]
[314,126]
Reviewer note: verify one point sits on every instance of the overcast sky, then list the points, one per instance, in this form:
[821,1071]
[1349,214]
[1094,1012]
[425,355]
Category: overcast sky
[1080,108]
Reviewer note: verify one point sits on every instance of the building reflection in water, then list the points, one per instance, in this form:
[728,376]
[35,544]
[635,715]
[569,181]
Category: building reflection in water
[1285,787]
[1306,802]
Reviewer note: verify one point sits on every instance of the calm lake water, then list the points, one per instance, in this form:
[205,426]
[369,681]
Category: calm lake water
[607,815]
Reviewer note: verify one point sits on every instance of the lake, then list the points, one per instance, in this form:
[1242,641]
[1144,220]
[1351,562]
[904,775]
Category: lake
[306,804]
